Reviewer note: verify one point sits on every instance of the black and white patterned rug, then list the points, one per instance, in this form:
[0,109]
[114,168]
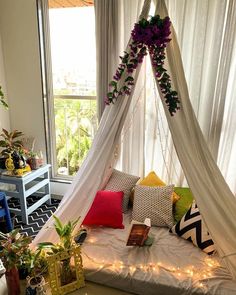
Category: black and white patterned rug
[37,218]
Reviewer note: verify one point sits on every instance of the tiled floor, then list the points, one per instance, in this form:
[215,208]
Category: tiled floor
[37,219]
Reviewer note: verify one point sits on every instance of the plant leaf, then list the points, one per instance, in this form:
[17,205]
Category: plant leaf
[57,222]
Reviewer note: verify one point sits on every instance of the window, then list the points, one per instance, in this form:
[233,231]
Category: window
[72,117]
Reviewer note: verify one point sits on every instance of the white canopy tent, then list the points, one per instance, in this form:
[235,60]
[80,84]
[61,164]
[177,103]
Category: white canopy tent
[215,200]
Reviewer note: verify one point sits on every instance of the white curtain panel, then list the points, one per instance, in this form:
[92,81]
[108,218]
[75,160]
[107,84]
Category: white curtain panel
[107,46]
[95,169]
[206,33]
[131,145]
[227,154]
[216,202]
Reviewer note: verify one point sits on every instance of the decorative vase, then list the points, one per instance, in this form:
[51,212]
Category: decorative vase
[35,285]
[13,282]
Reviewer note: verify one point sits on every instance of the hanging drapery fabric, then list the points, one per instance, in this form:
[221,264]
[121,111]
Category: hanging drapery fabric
[107,52]
[215,200]
[114,21]
[94,170]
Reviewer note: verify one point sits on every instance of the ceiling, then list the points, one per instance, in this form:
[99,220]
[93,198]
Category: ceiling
[69,3]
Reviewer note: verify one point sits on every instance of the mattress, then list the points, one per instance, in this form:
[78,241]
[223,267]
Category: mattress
[170,266]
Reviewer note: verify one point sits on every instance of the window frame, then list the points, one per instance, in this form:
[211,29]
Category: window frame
[47,90]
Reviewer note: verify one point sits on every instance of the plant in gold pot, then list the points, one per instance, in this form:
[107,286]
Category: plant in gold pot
[13,246]
[65,233]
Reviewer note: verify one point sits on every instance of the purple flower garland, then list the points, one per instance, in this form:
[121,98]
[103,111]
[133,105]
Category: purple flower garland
[152,35]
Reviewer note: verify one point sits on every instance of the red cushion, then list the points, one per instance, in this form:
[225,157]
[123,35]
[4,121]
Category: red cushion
[106,210]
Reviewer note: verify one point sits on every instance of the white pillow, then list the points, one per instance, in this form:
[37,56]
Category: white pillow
[154,203]
[120,181]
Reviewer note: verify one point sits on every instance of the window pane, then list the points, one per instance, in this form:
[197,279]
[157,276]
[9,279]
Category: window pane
[76,124]
[73,53]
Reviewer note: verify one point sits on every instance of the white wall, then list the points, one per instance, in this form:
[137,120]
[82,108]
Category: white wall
[4,114]
[19,32]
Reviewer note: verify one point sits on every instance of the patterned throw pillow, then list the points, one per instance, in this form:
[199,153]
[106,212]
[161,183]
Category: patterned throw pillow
[154,203]
[192,228]
[120,181]
[153,180]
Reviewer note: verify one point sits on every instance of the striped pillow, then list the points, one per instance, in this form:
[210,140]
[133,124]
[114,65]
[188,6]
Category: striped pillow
[192,228]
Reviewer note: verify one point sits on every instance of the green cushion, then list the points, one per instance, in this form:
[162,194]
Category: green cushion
[184,203]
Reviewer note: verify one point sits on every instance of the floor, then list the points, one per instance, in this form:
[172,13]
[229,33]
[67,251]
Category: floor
[89,289]
[36,219]
[95,289]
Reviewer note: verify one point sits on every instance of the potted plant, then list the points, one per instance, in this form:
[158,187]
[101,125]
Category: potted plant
[12,246]
[36,266]
[34,159]
[11,146]
[65,233]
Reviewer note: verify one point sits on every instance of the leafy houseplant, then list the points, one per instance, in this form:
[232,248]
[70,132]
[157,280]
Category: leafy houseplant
[35,265]
[13,245]
[65,233]
[11,145]
[10,141]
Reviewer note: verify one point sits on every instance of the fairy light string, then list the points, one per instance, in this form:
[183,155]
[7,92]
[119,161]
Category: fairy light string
[199,276]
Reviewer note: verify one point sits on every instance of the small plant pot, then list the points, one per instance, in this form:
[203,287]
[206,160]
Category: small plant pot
[35,286]
[34,163]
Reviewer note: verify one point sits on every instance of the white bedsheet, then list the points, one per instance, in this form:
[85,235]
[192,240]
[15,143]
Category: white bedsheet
[170,266]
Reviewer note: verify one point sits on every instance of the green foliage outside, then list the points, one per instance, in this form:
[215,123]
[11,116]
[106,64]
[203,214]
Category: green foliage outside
[76,124]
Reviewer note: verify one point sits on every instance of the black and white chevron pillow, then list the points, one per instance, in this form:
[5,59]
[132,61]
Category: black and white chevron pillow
[192,228]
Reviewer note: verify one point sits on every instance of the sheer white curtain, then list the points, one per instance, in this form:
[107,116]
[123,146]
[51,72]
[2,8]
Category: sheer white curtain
[114,22]
[216,202]
[107,46]
[206,31]
[227,155]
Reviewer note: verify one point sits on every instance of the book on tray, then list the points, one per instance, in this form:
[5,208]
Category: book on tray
[138,233]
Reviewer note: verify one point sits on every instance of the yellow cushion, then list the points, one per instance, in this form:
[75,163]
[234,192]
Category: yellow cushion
[153,180]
